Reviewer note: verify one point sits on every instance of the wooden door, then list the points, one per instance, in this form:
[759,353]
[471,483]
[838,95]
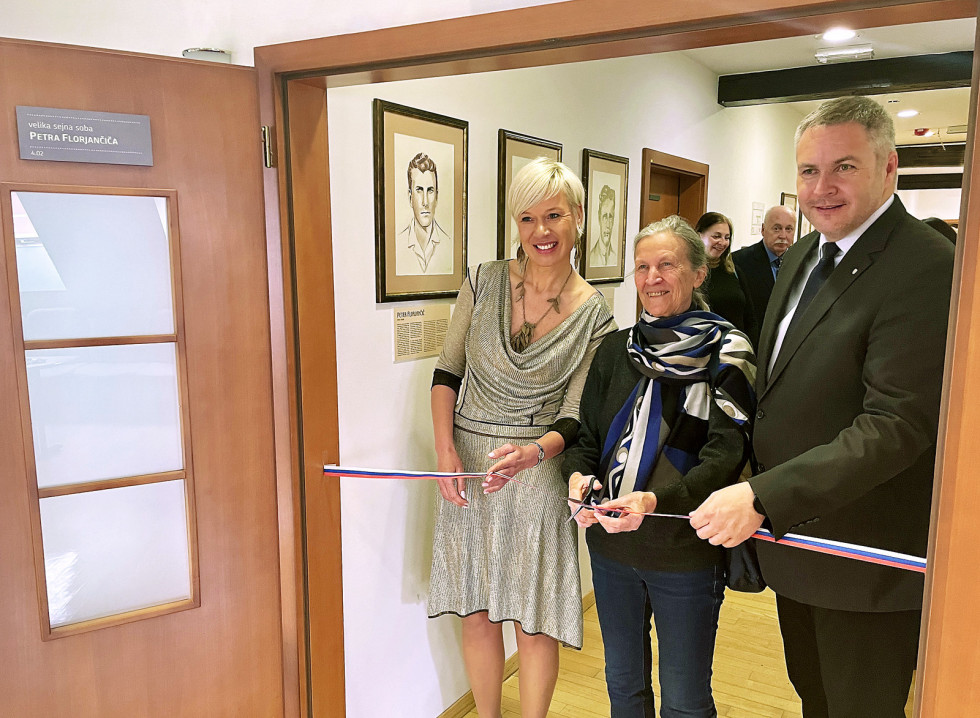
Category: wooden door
[222,653]
[672,185]
[663,197]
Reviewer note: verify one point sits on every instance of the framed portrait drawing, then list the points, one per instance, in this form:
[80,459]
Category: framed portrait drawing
[515,150]
[803,226]
[420,174]
[788,200]
[606,183]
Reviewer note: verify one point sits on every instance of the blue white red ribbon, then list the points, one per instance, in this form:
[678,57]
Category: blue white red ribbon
[808,543]
[847,550]
[353,473]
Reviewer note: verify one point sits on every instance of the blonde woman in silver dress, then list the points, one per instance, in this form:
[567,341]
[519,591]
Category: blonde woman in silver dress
[505,398]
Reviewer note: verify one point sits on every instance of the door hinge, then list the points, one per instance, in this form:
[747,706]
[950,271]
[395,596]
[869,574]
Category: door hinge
[268,146]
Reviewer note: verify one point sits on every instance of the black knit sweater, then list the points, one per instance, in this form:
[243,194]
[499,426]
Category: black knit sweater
[660,544]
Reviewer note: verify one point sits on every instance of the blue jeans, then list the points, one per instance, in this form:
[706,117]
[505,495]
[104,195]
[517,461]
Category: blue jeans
[684,606]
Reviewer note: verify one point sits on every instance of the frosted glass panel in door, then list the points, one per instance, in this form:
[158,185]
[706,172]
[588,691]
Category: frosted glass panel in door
[116,550]
[104,412]
[92,265]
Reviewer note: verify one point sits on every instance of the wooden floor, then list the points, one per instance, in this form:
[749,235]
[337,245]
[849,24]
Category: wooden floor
[749,674]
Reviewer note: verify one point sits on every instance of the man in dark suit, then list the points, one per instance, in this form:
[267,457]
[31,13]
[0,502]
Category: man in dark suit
[758,264]
[849,383]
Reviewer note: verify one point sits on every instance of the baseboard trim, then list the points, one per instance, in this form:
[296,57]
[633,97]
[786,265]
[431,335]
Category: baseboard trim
[466,704]
[460,708]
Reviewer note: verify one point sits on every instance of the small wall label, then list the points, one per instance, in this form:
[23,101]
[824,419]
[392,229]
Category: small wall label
[48,133]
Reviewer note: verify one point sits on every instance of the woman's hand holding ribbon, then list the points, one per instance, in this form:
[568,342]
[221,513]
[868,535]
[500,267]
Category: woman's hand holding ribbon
[636,503]
[454,489]
[513,459]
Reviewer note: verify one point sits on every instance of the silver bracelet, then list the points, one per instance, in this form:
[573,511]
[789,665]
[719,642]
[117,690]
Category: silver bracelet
[540,452]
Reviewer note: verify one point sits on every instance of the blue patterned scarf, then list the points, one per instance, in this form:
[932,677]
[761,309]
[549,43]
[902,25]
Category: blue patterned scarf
[711,361]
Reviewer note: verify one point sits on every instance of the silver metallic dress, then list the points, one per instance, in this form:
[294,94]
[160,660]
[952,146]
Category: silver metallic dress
[512,553]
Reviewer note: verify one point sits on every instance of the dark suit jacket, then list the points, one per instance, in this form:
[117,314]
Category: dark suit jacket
[752,265]
[846,425]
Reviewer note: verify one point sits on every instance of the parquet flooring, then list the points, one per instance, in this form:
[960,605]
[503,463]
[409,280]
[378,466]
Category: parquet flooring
[749,674]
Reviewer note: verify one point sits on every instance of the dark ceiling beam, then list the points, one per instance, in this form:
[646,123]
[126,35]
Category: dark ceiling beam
[948,180]
[944,155]
[867,77]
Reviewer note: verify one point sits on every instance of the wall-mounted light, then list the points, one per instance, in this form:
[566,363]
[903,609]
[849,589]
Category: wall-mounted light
[211,54]
[844,54]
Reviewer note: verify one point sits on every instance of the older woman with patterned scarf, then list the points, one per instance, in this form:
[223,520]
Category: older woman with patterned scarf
[665,421]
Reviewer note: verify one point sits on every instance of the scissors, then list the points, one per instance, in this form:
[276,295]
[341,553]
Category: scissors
[591,501]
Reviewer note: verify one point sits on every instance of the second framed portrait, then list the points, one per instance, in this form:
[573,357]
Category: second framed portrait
[419,202]
[803,226]
[515,150]
[606,179]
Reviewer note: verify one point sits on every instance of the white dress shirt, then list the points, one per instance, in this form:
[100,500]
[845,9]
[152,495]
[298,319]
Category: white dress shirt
[843,245]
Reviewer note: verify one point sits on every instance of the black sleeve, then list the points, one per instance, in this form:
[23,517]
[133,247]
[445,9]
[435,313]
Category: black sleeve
[567,427]
[751,316]
[442,377]
[584,455]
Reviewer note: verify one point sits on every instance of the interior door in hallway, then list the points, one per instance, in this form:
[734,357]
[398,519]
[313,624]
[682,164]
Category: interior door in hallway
[211,646]
[671,185]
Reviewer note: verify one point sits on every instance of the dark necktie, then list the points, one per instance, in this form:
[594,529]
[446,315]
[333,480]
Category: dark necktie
[818,276]
[776,263]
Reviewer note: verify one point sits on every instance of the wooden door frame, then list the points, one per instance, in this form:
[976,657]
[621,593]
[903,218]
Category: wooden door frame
[590,29]
[696,197]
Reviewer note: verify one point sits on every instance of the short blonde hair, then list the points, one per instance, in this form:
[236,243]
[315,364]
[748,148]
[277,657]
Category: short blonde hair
[540,179]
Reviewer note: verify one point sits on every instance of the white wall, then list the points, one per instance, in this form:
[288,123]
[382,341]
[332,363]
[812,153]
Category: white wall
[665,102]
[922,203]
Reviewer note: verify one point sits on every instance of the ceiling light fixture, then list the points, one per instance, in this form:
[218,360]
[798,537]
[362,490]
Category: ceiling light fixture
[844,54]
[838,34]
[907,113]
[923,132]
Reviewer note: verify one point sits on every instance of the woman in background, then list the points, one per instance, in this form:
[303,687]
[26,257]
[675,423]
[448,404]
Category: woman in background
[505,398]
[726,296]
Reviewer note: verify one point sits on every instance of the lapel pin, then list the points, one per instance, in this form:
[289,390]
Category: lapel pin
[854,271]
